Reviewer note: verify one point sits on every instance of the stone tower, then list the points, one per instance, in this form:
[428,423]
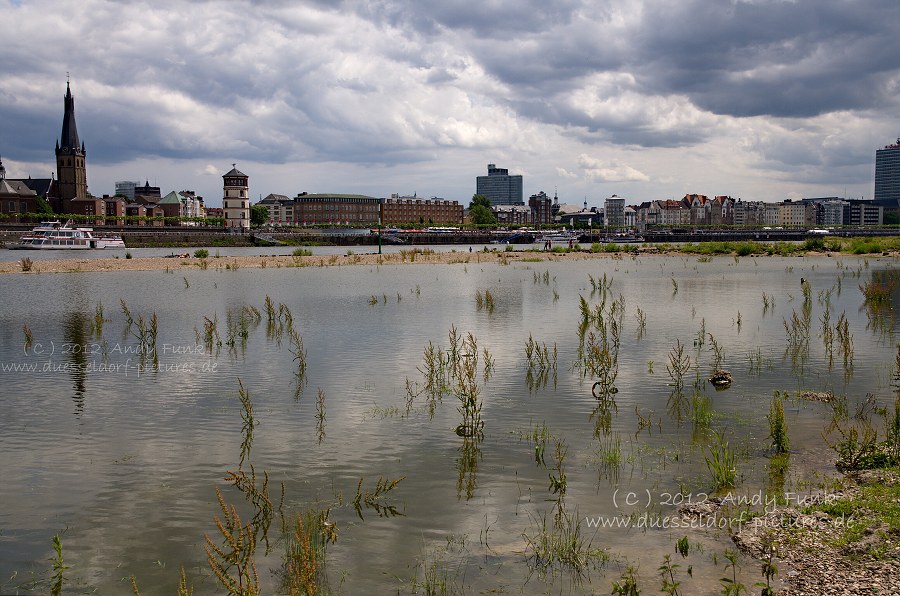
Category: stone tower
[71,172]
[236,200]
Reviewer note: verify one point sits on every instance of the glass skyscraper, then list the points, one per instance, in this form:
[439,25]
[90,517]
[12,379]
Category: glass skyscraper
[887,174]
[500,187]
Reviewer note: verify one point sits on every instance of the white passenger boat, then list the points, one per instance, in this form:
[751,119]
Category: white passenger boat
[559,237]
[51,235]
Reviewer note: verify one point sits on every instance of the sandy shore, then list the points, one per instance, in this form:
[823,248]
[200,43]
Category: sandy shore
[410,257]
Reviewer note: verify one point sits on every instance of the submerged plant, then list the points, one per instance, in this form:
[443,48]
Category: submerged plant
[304,569]
[59,567]
[557,545]
[679,364]
[248,421]
[375,499]
[232,562]
[721,462]
[777,425]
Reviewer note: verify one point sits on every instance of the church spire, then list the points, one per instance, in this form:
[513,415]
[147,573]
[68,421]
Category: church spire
[69,137]
[71,169]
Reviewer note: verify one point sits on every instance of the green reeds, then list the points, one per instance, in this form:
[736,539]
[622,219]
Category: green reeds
[679,364]
[211,333]
[602,364]
[541,363]
[718,352]
[560,544]
[468,392]
[98,319]
[720,461]
[484,301]
[59,567]
[248,421]
[558,482]
[778,425]
[642,321]
[320,415]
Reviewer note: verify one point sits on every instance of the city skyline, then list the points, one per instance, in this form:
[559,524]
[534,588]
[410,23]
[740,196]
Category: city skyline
[646,100]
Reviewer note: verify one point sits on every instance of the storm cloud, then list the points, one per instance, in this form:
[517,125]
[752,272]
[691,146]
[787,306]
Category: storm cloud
[646,99]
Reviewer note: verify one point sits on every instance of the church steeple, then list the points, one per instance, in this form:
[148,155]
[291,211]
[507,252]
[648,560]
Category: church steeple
[71,170]
[69,138]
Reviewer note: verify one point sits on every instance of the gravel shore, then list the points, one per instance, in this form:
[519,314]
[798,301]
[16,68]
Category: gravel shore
[812,553]
[411,256]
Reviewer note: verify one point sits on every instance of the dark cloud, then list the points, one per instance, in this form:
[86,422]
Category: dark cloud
[390,82]
[795,59]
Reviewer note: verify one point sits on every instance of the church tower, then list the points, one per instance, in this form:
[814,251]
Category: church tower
[236,200]
[71,172]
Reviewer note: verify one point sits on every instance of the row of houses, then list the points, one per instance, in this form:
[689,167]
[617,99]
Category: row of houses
[145,206]
[700,210]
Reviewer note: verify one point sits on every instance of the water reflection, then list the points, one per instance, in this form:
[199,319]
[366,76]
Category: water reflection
[76,347]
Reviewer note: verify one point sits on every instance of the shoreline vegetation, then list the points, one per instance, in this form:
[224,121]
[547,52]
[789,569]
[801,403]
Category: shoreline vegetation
[503,254]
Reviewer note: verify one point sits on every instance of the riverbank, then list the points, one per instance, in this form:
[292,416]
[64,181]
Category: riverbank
[412,256]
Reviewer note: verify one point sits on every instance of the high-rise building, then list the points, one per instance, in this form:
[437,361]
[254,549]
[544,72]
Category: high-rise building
[500,187]
[71,171]
[236,200]
[126,188]
[887,174]
[614,210]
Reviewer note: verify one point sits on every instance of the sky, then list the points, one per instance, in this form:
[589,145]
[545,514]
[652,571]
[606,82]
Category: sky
[645,99]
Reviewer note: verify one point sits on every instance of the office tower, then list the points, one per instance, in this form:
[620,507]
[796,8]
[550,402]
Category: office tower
[500,187]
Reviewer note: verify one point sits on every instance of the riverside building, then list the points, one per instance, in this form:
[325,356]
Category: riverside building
[500,187]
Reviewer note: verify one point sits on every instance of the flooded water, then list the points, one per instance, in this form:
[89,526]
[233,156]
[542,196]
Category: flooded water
[122,458]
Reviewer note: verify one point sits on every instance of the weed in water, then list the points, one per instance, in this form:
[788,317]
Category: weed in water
[679,364]
[553,546]
[320,414]
[257,494]
[730,585]
[721,462]
[667,576]
[59,567]
[248,421]
[778,426]
[769,570]
[375,499]
[627,585]
[232,563]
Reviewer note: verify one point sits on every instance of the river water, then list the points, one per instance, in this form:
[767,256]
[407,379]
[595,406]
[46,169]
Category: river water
[122,459]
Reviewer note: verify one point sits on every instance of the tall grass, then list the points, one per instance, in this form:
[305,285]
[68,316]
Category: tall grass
[778,425]
[720,461]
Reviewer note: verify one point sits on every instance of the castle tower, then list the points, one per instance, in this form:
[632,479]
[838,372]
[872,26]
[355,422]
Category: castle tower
[71,172]
[236,200]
